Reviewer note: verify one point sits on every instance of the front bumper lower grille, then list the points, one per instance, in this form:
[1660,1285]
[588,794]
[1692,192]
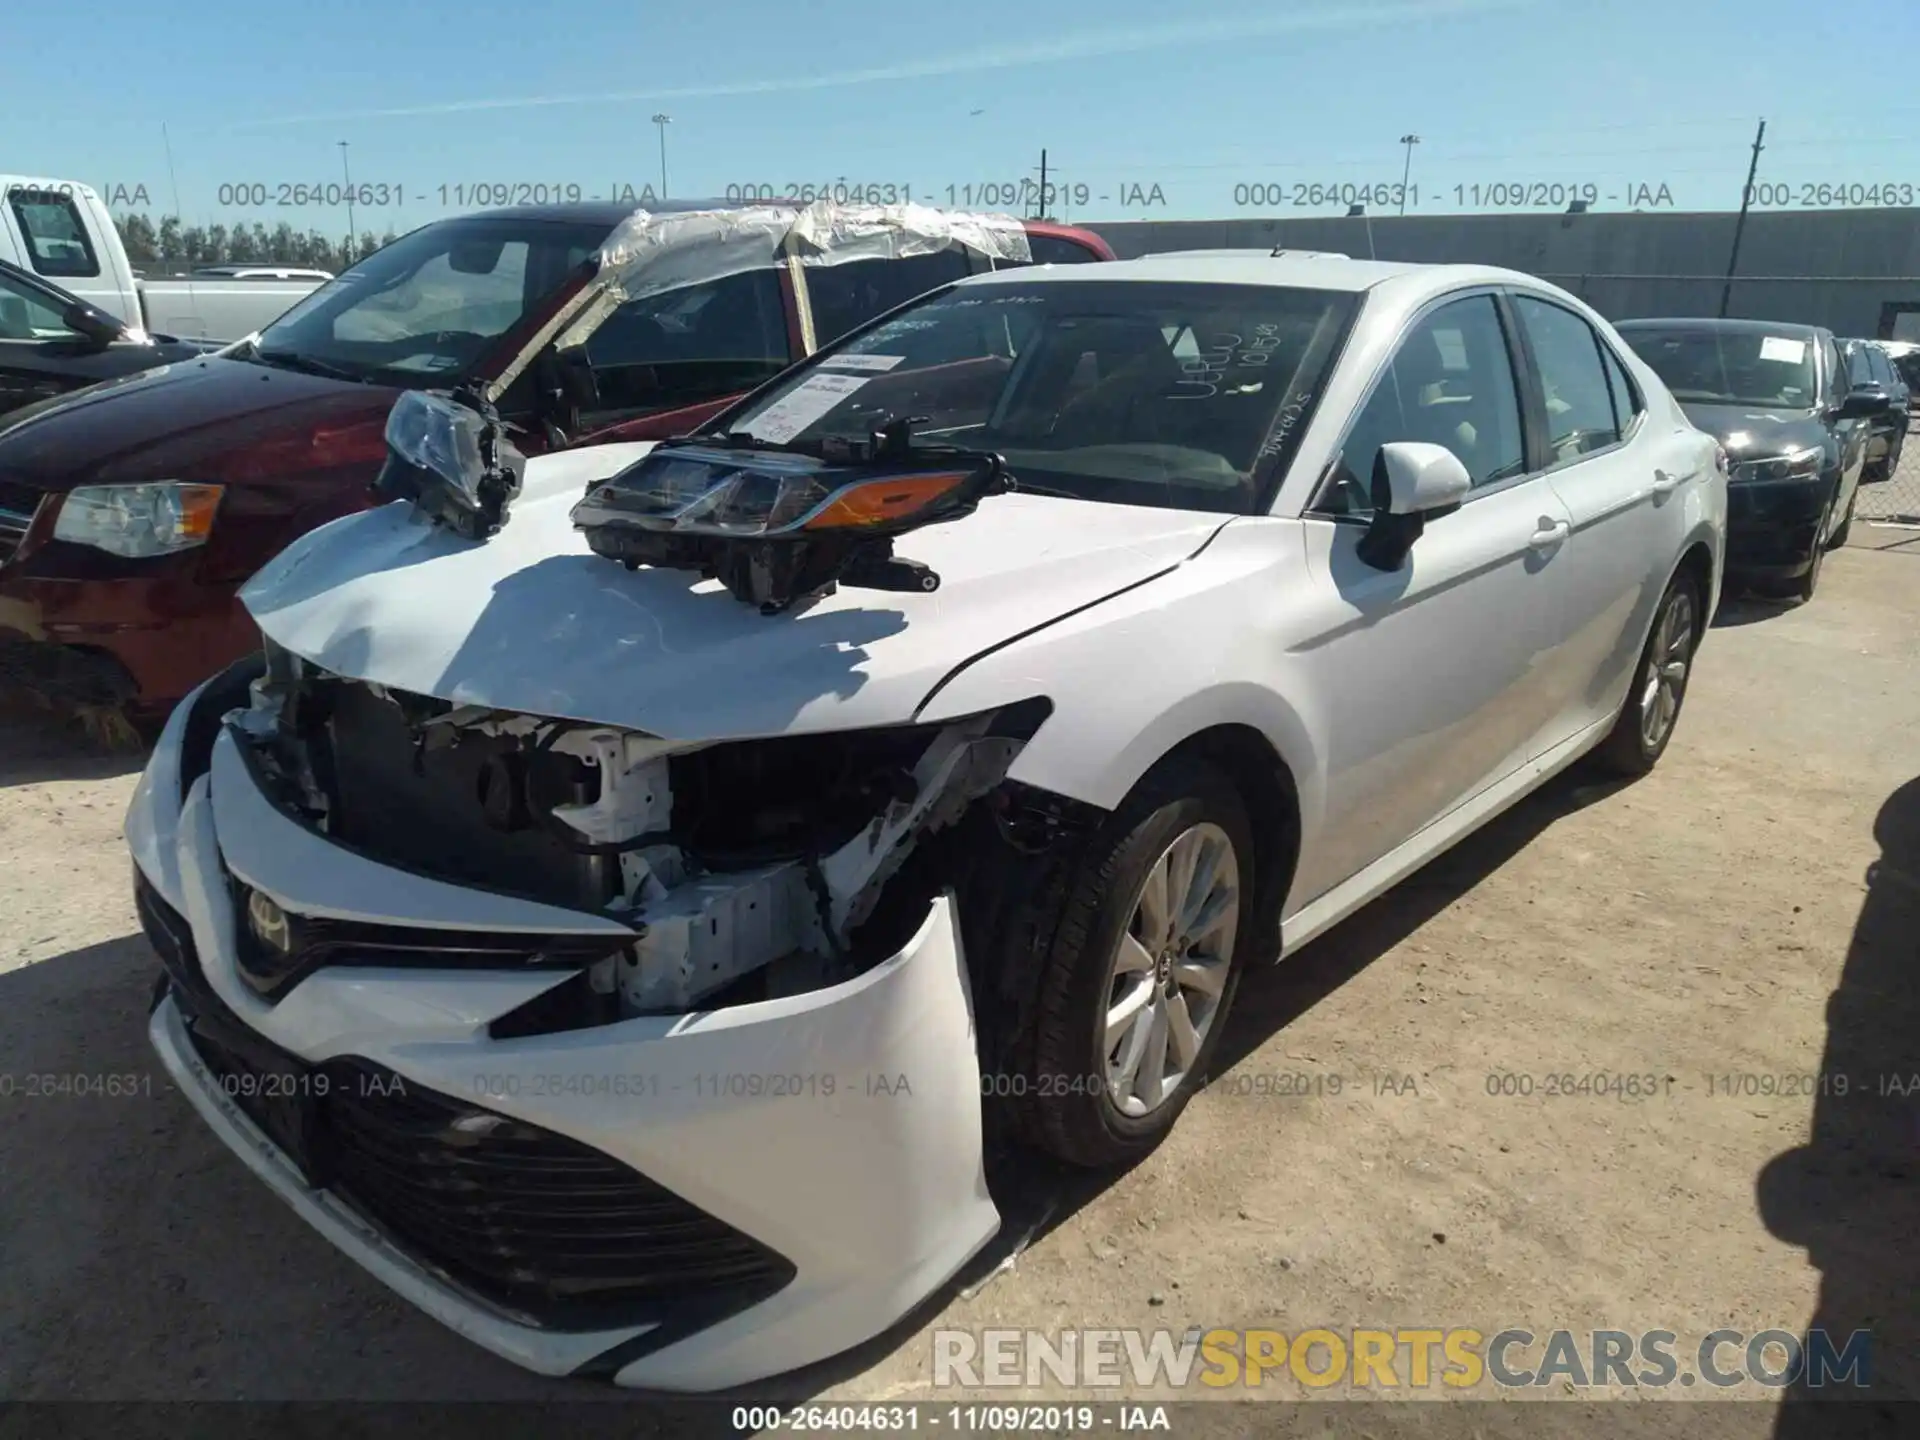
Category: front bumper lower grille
[537,1225]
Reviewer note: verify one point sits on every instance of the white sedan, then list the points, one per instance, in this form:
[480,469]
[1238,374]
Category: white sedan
[623,925]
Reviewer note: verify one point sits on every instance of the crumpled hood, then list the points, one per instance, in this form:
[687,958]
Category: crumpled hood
[534,622]
[1748,433]
[202,419]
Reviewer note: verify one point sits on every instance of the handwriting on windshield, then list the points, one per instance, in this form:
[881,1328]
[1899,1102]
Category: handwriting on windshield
[1225,353]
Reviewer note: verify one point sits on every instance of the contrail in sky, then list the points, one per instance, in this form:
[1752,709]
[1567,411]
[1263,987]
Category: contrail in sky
[1085,45]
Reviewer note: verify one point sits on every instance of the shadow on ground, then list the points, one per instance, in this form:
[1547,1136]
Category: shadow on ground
[1849,1195]
[37,745]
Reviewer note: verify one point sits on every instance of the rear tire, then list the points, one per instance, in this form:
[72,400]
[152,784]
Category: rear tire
[1651,710]
[1142,969]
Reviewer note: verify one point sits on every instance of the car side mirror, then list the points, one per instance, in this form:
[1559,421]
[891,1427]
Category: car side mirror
[1412,483]
[1862,404]
[94,326]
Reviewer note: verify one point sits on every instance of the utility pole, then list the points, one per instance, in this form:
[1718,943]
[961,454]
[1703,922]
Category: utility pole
[1740,225]
[663,121]
[1406,172]
[348,174]
[1040,209]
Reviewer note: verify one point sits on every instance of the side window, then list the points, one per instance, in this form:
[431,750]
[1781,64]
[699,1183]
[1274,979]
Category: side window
[848,295]
[683,347]
[26,315]
[1451,383]
[1839,372]
[1580,412]
[1626,396]
[56,239]
[1859,366]
[1882,367]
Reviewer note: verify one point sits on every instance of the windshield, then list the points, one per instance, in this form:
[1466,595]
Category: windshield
[1712,366]
[1181,395]
[422,310]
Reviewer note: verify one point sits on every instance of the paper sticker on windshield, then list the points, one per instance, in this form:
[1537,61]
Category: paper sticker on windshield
[802,405]
[1773,347]
[877,363]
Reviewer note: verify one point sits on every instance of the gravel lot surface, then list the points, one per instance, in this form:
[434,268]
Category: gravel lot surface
[1750,910]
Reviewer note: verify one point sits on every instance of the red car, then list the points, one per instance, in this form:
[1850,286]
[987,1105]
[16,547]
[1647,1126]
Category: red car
[131,512]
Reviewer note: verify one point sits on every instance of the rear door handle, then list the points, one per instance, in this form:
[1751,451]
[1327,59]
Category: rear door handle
[1665,484]
[1551,534]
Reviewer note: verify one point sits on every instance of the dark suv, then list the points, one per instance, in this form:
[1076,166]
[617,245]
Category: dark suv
[1780,401]
[131,513]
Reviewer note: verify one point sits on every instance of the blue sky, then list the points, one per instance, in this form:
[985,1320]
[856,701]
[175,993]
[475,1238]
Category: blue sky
[1234,105]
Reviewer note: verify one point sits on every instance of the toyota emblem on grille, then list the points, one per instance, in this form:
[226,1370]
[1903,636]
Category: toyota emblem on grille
[269,922]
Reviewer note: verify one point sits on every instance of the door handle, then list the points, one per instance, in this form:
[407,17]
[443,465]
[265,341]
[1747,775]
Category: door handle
[1665,484]
[1551,534]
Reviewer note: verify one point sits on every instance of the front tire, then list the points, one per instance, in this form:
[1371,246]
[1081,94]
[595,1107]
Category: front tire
[1142,970]
[1646,722]
[1845,527]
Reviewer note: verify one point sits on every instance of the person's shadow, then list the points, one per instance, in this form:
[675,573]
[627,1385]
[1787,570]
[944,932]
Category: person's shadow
[1849,1194]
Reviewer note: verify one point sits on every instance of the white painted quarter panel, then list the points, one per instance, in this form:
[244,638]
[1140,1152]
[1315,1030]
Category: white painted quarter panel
[533,621]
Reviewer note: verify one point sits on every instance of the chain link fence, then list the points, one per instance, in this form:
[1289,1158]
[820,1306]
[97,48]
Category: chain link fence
[1897,497]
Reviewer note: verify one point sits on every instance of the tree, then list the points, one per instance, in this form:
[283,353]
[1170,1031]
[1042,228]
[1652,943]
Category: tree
[168,244]
[138,236]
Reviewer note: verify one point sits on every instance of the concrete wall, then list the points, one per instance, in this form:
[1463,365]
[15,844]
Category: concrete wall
[1850,270]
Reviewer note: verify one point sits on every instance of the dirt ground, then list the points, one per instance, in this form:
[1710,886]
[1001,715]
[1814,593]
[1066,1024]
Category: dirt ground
[1747,911]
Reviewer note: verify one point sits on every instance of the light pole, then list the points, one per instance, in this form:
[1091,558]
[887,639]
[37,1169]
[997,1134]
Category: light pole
[663,121]
[1406,172]
[348,174]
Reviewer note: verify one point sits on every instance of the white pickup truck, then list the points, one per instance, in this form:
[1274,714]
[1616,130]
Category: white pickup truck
[61,229]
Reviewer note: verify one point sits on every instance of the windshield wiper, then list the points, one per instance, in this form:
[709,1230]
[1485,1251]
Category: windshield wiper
[742,440]
[288,361]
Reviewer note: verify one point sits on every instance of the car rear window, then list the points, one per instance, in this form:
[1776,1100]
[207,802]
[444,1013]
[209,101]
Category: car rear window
[57,242]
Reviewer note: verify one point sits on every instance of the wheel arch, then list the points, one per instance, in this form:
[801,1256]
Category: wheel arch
[1696,562]
[1270,792]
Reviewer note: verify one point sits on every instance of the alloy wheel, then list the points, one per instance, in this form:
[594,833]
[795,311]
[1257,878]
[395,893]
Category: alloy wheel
[1668,660]
[1170,969]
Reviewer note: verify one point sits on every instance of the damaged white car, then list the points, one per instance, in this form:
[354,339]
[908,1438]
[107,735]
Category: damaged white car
[634,882]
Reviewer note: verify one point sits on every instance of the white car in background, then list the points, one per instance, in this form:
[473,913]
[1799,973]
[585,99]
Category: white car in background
[618,926]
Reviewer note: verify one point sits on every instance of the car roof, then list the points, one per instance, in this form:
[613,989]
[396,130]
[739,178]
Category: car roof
[604,212]
[1295,269]
[612,212]
[1782,328]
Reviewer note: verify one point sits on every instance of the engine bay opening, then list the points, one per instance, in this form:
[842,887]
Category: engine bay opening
[748,869]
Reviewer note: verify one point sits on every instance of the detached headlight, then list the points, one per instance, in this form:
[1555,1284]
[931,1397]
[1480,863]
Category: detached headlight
[1799,465]
[138,521]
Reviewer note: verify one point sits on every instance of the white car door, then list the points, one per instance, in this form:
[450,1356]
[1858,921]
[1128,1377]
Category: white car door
[1434,677]
[1622,479]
